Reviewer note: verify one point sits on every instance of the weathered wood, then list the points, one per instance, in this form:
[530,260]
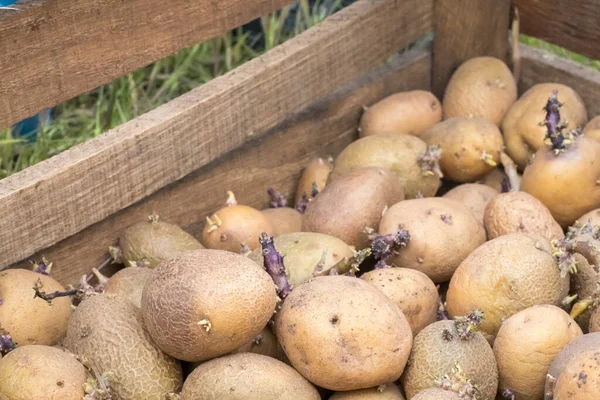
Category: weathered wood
[277,160]
[465,29]
[67,193]
[539,66]
[52,51]
[566,23]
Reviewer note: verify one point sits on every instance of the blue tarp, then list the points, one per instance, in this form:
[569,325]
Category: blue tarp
[4,3]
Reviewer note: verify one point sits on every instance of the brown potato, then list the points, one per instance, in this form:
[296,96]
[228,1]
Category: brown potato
[324,324]
[436,394]
[284,220]
[442,234]
[592,217]
[246,376]
[401,154]
[436,352]
[411,290]
[146,244]
[526,345]
[304,250]
[595,320]
[410,112]
[592,128]
[35,372]
[191,326]
[129,283]
[471,147]
[566,183]
[519,212]
[384,392]
[496,179]
[317,171]
[31,320]
[108,333]
[480,87]
[504,276]
[584,284]
[580,379]
[473,195]
[523,135]
[352,202]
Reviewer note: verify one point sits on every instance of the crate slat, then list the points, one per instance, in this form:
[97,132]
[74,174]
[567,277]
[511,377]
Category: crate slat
[52,51]
[75,189]
[566,23]
[539,66]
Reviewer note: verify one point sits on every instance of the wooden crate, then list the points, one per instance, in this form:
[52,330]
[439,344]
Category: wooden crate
[252,128]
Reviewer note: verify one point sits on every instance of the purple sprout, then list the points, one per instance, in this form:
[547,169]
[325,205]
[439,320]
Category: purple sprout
[274,266]
[304,200]
[385,246]
[278,200]
[466,327]
[556,136]
[507,394]
[6,342]
[505,185]
[43,267]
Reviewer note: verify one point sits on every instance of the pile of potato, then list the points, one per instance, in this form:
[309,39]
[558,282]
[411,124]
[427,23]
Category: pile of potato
[451,252]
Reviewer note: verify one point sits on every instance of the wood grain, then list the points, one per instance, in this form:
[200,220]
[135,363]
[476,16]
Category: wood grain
[465,29]
[276,160]
[75,189]
[566,23]
[55,50]
[539,66]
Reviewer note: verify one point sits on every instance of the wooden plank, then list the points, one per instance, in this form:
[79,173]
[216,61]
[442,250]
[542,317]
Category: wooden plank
[539,66]
[67,193]
[54,50]
[322,129]
[465,29]
[566,23]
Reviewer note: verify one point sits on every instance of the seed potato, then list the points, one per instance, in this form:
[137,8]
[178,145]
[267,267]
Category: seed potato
[580,379]
[129,283]
[473,195]
[284,220]
[384,392]
[496,179]
[436,394]
[317,171]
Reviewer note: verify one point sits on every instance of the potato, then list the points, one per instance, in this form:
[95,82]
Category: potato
[442,234]
[523,134]
[207,303]
[519,212]
[342,333]
[150,242]
[41,373]
[526,345]
[108,333]
[235,226]
[304,250]
[595,320]
[411,290]
[592,217]
[246,376]
[352,202]
[410,112]
[401,154]
[129,284]
[436,352]
[566,183]
[31,320]
[504,276]
[580,380]
[584,284]
[480,87]
[284,220]
[473,195]
[317,171]
[384,392]
[436,394]
[471,147]
[592,125]
[496,179]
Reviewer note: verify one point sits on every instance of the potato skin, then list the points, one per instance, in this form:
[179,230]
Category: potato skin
[473,195]
[389,392]
[523,135]
[411,290]
[442,234]
[504,276]
[129,283]
[526,345]
[317,170]
[580,379]
[480,87]
[41,373]
[352,202]
[153,241]
[284,220]
[436,394]
[592,125]
[434,354]
[519,212]
[174,302]
[411,112]
[398,153]
[324,324]
[246,376]
[29,320]
[566,183]
[464,141]
[108,333]
[592,217]
[595,321]
[304,250]
[495,179]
